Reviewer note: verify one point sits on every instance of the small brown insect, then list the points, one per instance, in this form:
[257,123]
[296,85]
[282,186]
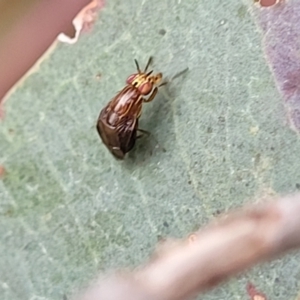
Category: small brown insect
[118,121]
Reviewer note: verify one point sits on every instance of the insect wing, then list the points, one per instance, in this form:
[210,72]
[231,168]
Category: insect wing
[118,122]
[127,134]
[118,139]
[108,135]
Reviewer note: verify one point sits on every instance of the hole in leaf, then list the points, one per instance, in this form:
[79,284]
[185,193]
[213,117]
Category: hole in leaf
[266,3]
[83,22]
[70,31]
[2,171]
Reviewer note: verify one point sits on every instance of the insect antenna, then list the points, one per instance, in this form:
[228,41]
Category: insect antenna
[149,73]
[148,63]
[137,66]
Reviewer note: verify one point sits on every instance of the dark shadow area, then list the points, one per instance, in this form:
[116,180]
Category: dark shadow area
[149,145]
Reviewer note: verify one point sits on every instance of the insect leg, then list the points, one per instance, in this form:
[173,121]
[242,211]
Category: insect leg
[148,133]
[143,132]
[151,97]
[174,77]
[180,73]
[163,83]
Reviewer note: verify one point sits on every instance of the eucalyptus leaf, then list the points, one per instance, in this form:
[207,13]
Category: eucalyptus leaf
[69,210]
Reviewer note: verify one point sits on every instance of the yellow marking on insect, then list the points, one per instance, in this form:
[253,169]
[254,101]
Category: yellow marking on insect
[140,79]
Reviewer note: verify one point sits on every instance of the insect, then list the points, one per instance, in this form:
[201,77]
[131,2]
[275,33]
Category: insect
[118,121]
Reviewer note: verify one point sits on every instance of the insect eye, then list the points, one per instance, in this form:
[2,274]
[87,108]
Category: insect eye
[131,78]
[145,88]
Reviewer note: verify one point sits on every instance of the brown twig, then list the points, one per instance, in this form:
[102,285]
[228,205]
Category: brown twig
[233,243]
[32,35]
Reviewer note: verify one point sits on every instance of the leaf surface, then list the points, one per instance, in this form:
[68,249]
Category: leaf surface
[69,209]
